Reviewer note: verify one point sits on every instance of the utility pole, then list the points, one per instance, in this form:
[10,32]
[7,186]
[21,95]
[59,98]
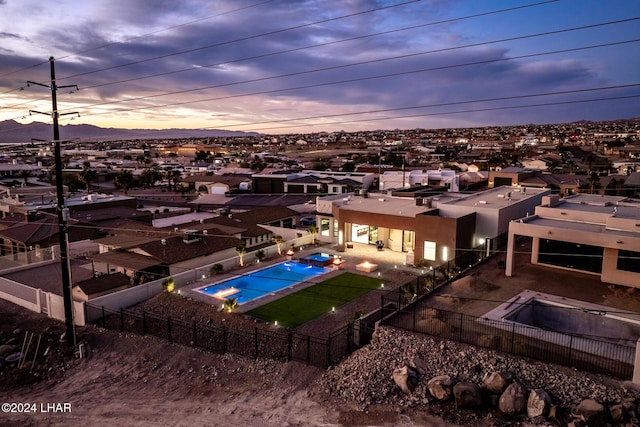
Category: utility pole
[63,213]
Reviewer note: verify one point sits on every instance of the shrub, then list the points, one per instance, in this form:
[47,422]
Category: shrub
[168,284]
[216,269]
[230,304]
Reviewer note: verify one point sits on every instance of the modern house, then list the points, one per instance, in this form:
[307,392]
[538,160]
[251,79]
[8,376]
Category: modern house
[314,182]
[417,177]
[589,233]
[430,230]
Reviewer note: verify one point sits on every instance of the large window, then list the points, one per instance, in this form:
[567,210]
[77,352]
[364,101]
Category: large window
[324,227]
[360,233]
[571,255]
[407,241]
[629,261]
[429,251]
[335,228]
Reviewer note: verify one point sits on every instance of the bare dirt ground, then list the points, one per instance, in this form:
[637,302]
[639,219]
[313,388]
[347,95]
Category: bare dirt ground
[142,381]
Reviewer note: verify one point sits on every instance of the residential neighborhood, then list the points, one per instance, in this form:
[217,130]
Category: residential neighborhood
[416,212]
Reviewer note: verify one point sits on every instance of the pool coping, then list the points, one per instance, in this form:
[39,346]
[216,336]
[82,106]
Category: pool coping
[195,292]
[503,311]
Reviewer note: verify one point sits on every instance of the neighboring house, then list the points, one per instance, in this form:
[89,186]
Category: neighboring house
[411,178]
[537,164]
[589,233]
[29,235]
[219,184]
[311,182]
[149,253]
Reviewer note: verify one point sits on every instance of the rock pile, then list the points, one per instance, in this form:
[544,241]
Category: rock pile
[420,372]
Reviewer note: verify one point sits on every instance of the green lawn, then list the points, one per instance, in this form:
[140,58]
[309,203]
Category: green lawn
[298,308]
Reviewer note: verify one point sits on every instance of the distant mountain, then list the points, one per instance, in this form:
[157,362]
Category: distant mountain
[12,132]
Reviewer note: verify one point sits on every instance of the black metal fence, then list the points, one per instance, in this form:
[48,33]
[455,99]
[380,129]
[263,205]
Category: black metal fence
[260,342]
[583,352]
[404,309]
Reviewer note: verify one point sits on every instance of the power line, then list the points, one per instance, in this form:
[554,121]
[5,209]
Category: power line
[444,113]
[315,85]
[266,55]
[268,33]
[135,38]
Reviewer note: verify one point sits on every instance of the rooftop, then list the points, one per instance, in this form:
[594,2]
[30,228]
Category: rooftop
[382,204]
[497,198]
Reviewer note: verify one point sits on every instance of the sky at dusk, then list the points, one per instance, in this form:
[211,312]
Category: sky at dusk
[285,66]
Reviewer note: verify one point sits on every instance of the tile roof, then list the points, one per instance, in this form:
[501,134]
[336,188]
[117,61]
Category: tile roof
[176,250]
[131,260]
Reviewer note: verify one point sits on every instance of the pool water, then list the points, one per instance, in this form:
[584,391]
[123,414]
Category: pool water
[263,282]
[320,257]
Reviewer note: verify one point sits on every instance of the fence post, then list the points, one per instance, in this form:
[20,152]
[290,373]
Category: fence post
[169,329]
[308,349]
[121,319]
[415,303]
[103,318]
[289,346]
[195,334]
[513,337]
[399,298]
[460,328]
[144,323]
[255,341]
[570,349]
[349,336]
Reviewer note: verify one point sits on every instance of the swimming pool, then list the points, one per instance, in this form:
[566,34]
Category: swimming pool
[259,283]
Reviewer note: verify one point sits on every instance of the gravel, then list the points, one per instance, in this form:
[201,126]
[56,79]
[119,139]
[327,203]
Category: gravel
[364,378]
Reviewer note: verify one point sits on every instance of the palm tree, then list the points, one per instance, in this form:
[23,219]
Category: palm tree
[313,230]
[123,180]
[87,175]
[241,249]
[175,176]
[278,240]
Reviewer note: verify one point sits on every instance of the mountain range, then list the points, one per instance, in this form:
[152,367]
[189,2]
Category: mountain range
[12,132]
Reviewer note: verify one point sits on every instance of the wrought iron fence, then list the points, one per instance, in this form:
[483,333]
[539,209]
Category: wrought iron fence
[260,342]
[575,350]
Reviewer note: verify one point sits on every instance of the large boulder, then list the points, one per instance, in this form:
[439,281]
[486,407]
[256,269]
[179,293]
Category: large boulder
[538,404]
[441,387]
[420,364]
[589,411]
[497,382]
[406,378]
[467,396]
[513,400]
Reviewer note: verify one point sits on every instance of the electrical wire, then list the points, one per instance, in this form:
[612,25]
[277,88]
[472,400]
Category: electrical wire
[136,37]
[268,33]
[316,85]
[266,55]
